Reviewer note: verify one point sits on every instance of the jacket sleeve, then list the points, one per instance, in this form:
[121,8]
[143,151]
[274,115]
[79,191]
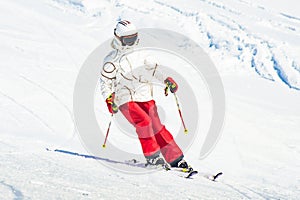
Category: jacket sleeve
[108,79]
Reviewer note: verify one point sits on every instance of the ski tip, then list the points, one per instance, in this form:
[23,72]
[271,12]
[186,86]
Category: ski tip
[192,173]
[216,176]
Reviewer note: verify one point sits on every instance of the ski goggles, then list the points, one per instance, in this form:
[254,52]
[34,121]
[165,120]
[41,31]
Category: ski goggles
[128,40]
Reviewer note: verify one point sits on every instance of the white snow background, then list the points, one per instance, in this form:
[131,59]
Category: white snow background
[255,46]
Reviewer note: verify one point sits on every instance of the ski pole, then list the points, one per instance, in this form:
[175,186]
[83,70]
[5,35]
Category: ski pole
[185,129]
[107,132]
[178,107]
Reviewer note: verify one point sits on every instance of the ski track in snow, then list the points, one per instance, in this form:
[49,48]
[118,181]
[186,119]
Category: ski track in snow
[51,94]
[262,195]
[17,193]
[251,193]
[60,102]
[36,116]
[290,17]
[239,191]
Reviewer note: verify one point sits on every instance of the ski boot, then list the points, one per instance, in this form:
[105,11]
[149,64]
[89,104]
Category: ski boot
[155,161]
[184,166]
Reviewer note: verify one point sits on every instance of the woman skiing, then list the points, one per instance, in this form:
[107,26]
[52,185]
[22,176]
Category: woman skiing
[130,91]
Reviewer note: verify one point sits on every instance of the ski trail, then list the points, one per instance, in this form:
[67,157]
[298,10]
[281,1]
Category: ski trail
[18,194]
[37,117]
[250,193]
[60,102]
[237,190]
[259,194]
[51,94]
[290,17]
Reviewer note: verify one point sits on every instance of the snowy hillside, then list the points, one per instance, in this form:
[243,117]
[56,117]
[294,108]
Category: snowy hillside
[255,46]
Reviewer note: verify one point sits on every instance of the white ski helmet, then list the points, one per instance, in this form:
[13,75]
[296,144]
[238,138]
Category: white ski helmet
[126,33]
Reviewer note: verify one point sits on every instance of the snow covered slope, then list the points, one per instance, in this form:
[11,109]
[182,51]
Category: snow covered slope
[254,45]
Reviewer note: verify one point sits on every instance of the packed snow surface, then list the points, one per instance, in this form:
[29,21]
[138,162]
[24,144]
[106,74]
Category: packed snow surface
[255,46]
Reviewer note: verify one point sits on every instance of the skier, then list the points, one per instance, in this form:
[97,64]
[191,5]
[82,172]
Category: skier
[130,91]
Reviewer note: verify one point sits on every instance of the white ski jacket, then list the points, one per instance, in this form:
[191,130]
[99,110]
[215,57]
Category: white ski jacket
[130,74]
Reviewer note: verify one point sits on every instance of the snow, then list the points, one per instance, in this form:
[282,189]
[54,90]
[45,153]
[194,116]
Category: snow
[254,45]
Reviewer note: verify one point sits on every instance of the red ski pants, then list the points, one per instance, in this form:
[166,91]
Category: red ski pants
[153,136]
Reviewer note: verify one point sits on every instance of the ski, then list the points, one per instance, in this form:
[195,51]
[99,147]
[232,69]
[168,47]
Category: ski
[213,177]
[188,172]
[216,176]
[182,172]
[136,163]
[191,172]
